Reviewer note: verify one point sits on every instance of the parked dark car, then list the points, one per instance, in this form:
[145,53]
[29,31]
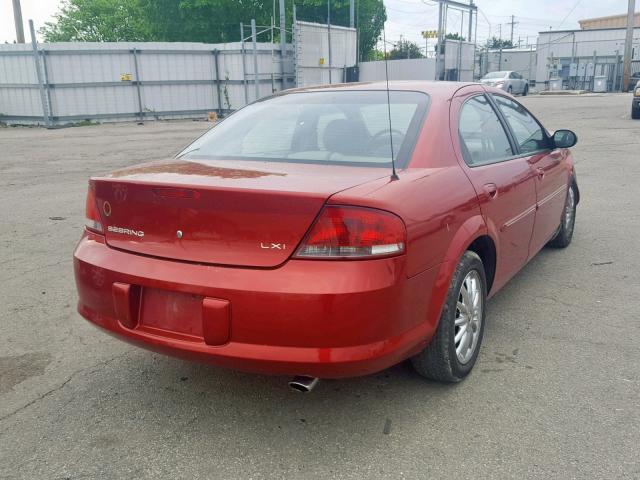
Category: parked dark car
[635,102]
[633,81]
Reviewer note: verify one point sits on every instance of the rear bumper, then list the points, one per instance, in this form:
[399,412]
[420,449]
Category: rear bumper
[319,318]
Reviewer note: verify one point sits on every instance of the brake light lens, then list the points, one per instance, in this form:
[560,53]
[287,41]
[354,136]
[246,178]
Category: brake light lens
[354,232]
[92,220]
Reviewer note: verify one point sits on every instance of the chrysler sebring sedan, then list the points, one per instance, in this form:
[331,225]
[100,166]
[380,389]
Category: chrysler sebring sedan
[329,232]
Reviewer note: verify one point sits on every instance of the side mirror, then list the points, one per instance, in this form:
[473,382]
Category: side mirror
[564,138]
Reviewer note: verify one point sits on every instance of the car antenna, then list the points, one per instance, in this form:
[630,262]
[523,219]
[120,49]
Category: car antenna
[394,175]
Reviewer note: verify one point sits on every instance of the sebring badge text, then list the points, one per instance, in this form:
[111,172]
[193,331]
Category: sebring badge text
[126,231]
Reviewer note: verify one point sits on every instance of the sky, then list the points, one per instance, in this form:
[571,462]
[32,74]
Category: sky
[407,18]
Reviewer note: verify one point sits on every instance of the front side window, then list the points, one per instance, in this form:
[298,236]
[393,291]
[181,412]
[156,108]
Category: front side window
[527,131]
[330,127]
[482,136]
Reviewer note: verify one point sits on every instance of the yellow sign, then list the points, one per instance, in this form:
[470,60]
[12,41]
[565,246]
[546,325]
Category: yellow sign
[126,77]
[430,34]
[321,61]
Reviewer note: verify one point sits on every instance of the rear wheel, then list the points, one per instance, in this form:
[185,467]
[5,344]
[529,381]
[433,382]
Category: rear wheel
[454,348]
[510,90]
[567,223]
[635,113]
[525,91]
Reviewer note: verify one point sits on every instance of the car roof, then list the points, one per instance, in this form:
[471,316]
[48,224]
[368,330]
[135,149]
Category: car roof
[440,89]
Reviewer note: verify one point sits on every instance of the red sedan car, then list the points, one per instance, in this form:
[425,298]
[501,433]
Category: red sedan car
[282,242]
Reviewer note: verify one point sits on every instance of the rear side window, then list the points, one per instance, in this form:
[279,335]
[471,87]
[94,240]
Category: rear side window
[527,131]
[328,127]
[482,136]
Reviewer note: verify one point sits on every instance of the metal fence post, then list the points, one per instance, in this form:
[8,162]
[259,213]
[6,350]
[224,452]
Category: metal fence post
[615,71]
[215,59]
[593,77]
[294,42]
[139,93]
[255,58]
[46,81]
[36,58]
[283,42]
[530,55]
[244,65]
[329,37]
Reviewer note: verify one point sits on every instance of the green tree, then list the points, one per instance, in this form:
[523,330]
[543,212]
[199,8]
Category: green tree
[209,21]
[374,55]
[97,21]
[499,43]
[449,36]
[405,49]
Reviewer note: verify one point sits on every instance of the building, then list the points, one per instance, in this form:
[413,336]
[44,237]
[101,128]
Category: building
[613,21]
[577,56]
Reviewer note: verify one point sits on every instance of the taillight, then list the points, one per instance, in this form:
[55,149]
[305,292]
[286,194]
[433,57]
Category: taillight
[92,221]
[354,232]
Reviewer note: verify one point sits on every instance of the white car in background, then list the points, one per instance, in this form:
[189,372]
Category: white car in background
[511,82]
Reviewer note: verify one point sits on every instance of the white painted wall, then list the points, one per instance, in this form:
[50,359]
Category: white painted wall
[406,69]
[312,53]
[177,79]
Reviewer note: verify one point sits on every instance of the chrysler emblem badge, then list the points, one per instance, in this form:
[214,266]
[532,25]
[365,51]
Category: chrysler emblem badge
[179,234]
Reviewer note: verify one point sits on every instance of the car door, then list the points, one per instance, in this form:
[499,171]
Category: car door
[548,164]
[518,84]
[521,83]
[504,183]
[513,83]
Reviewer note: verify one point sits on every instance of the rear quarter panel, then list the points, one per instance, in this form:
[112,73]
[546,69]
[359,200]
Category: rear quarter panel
[439,206]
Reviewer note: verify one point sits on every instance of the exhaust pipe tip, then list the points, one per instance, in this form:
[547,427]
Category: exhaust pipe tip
[303,383]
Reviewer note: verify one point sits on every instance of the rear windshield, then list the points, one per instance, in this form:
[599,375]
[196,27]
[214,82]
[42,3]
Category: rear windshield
[332,127]
[496,75]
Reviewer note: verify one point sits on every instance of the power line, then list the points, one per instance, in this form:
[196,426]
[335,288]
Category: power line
[567,15]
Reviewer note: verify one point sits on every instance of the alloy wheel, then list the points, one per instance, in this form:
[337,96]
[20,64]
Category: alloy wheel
[468,317]
[569,209]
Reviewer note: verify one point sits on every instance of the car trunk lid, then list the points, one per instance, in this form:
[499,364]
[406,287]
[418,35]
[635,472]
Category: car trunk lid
[252,214]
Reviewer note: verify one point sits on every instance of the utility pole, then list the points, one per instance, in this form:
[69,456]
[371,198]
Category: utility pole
[512,23]
[470,37]
[352,13]
[628,45]
[439,59]
[17,18]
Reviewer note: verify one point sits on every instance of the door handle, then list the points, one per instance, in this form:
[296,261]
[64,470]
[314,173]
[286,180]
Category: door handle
[492,190]
[540,172]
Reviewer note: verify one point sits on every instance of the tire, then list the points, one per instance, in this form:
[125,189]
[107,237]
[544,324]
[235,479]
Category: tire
[563,238]
[635,113]
[525,91]
[510,91]
[440,359]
